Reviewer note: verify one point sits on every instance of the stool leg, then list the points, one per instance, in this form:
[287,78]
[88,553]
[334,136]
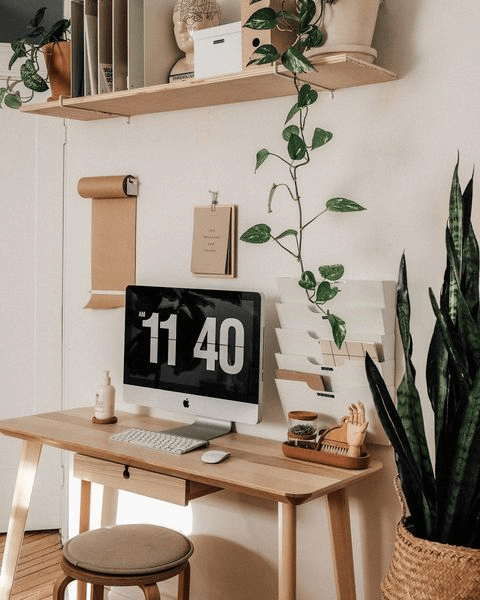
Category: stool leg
[97,592]
[84,525]
[60,587]
[150,591]
[184,584]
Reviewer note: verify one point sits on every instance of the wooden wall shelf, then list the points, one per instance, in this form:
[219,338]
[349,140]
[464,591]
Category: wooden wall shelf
[333,72]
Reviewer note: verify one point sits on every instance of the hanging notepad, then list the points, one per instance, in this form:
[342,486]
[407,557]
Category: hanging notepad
[114,206]
[214,241]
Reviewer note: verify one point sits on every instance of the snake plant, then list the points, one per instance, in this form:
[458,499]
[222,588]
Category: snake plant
[443,500]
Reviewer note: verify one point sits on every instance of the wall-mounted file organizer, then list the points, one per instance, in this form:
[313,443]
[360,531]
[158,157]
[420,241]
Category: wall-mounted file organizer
[331,406]
[306,346]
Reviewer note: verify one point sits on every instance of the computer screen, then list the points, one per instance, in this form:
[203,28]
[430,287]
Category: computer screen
[195,351]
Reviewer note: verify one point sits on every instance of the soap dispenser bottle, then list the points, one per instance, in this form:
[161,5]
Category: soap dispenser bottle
[105,401]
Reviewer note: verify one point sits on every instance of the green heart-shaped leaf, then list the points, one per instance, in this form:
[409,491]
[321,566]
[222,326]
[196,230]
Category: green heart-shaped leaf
[13,100]
[306,96]
[343,205]
[31,79]
[307,281]
[296,147]
[320,137]
[286,233]
[339,329]
[294,61]
[264,18]
[264,54]
[262,156]
[288,131]
[331,272]
[325,292]
[258,234]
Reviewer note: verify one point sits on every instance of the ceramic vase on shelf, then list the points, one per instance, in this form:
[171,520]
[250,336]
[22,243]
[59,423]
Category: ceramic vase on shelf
[348,27]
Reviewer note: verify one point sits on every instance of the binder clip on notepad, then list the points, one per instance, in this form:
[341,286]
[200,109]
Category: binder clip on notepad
[339,446]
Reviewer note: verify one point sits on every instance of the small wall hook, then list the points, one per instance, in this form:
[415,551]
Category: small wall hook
[214,199]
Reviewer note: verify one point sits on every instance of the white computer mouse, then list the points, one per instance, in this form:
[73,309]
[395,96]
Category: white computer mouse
[214,456]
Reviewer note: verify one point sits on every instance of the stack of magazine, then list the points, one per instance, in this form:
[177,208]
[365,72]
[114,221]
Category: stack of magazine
[121,44]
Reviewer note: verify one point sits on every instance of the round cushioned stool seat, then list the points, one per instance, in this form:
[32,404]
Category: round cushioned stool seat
[128,550]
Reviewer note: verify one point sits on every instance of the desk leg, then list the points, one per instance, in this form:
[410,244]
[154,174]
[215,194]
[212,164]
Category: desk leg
[341,539]
[84,525]
[27,469]
[287,551]
[109,506]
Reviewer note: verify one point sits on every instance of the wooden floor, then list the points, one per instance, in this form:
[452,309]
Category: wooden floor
[38,567]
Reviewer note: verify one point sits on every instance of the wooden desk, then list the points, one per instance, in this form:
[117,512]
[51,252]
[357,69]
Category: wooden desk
[257,467]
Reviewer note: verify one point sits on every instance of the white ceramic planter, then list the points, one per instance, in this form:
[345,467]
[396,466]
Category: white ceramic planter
[348,26]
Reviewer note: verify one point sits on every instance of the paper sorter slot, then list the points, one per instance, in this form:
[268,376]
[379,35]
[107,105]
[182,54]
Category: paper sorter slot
[304,343]
[345,377]
[354,292]
[358,320]
[331,407]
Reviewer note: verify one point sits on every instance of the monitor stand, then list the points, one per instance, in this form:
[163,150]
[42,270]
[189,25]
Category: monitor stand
[203,429]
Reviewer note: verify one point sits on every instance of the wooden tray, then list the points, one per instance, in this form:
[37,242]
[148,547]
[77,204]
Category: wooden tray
[326,458]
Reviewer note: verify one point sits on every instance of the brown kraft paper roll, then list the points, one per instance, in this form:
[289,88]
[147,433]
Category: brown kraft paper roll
[113,237]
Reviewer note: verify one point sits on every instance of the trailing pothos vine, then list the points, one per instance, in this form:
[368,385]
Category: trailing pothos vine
[319,285]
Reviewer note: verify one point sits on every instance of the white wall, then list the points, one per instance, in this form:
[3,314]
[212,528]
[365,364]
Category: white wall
[394,149]
[31,296]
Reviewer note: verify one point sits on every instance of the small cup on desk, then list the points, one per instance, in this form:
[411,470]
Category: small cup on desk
[302,429]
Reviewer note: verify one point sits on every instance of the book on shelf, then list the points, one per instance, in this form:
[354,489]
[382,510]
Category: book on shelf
[105,77]
[91,47]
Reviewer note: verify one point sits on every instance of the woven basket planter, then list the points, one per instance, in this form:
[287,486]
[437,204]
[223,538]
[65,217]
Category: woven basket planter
[424,570]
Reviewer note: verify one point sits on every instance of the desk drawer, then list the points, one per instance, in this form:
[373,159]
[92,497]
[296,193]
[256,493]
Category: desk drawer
[139,481]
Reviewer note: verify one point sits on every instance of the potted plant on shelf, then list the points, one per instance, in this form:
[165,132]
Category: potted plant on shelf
[348,27]
[319,285]
[55,47]
[437,547]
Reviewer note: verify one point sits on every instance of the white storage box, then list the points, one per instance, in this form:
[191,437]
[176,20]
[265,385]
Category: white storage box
[218,50]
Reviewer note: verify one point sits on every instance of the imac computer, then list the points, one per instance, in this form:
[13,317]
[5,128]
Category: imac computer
[196,352]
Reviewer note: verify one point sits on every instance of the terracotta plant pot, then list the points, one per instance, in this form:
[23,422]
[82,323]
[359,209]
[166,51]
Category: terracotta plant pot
[57,59]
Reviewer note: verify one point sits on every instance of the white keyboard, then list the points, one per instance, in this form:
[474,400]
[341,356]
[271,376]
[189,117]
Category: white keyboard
[159,440]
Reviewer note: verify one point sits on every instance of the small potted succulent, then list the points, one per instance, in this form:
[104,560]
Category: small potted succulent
[53,43]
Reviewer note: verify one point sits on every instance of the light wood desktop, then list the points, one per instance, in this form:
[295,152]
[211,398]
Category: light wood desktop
[257,468]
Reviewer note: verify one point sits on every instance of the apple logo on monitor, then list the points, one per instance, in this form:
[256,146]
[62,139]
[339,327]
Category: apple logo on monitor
[186,403]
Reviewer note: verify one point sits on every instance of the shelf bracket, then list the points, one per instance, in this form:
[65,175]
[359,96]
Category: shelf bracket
[310,83]
[92,110]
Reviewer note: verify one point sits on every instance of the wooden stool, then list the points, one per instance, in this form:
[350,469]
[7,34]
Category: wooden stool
[126,555]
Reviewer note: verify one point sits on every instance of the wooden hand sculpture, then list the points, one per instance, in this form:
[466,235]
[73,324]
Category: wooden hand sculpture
[356,429]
